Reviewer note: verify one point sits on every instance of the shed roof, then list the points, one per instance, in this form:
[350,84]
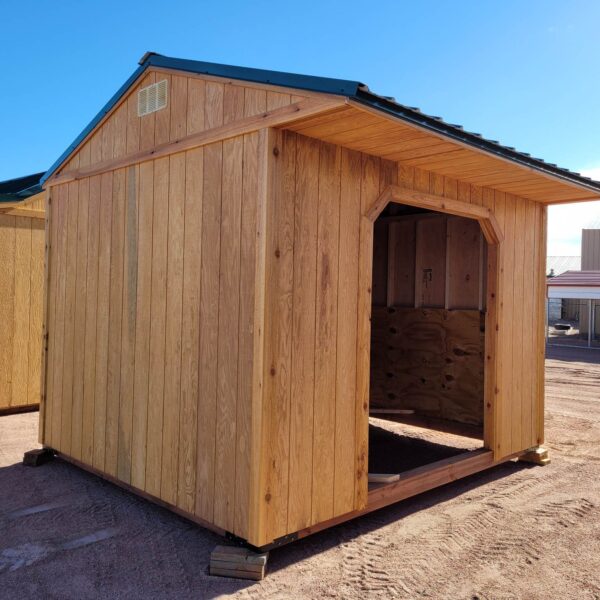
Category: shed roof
[354,90]
[20,188]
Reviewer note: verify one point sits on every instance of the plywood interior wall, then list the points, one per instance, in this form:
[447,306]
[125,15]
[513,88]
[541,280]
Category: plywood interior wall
[21,302]
[428,360]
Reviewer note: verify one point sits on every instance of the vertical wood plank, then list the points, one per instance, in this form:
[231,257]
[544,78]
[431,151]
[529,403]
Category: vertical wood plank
[102,323]
[227,345]
[7,300]
[195,105]
[79,317]
[36,317]
[252,237]
[70,298]
[178,102]
[20,316]
[60,320]
[113,384]
[401,263]
[278,327]
[260,402]
[246,359]
[529,322]
[158,311]
[46,316]
[346,332]
[540,341]
[430,263]
[515,319]
[463,263]
[326,331]
[162,122]
[129,312]
[306,204]
[142,325]
[190,343]
[89,361]
[209,306]
[170,446]
[369,191]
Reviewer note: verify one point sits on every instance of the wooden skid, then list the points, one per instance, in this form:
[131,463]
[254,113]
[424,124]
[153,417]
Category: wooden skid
[37,457]
[536,456]
[13,410]
[242,563]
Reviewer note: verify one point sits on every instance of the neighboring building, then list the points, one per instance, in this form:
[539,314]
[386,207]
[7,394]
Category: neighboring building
[555,265]
[21,292]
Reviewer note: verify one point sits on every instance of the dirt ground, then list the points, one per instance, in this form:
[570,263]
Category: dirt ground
[512,532]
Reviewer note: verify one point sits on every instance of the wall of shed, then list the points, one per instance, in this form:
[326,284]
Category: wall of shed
[151,302]
[21,303]
[315,415]
[150,322]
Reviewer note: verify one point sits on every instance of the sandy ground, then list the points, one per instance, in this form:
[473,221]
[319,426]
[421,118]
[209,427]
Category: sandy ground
[512,532]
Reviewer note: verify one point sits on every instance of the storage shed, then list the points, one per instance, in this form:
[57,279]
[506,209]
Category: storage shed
[243,265]
[21,292]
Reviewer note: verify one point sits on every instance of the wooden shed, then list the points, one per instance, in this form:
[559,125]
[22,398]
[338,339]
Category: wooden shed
[21,292]
[243,265]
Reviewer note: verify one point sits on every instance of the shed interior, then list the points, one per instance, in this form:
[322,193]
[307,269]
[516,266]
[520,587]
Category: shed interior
[427,338]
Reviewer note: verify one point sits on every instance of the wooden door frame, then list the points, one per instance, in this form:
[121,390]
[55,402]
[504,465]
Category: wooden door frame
[494,236]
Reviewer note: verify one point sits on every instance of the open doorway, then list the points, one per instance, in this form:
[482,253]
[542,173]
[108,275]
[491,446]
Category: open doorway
[427,340]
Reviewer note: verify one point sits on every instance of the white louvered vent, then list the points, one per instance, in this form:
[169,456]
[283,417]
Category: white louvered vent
[152,98]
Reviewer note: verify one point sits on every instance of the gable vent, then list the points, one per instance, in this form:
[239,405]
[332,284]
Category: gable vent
[152,98]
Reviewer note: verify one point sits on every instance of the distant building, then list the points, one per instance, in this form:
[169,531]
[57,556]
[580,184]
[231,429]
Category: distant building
[555,265]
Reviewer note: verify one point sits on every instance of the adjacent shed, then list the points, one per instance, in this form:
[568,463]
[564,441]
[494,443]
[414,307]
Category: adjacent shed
[244,265]
[21,292]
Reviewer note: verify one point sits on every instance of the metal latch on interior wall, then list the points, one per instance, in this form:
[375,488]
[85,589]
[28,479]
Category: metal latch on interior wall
[427,276]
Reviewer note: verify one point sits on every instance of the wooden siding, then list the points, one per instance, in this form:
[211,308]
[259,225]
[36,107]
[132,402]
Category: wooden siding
[312,314]
[150,321]
[312,300]
[195,103]
[21,303]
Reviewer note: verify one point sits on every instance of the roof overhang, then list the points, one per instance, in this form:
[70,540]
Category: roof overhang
[575,292]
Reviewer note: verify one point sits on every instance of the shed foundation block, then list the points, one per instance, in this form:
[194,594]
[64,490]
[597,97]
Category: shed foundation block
[536,456]
[37,457]
[241,563]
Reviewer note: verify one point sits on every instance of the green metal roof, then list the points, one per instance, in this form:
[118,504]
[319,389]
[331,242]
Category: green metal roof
[20,188]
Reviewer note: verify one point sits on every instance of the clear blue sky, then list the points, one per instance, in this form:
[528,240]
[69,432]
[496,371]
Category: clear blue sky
[524,72]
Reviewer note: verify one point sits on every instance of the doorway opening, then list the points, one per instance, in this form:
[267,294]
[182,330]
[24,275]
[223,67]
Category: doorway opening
[427,341]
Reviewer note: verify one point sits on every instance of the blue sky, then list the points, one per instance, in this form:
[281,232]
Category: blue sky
[525,73]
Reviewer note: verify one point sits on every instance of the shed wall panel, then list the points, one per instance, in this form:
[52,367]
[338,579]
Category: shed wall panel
[21,306]
[159,261]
